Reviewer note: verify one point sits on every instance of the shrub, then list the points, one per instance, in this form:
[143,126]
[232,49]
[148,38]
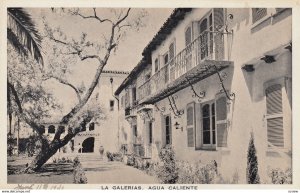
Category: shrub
[167,172]
[78,173]
[252,165]
[278,176]
[197,173]
[109,156]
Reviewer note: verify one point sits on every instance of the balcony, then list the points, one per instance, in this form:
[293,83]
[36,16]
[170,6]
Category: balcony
[194,62]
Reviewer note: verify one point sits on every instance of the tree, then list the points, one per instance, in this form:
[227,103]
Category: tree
[67,49]
[252,164]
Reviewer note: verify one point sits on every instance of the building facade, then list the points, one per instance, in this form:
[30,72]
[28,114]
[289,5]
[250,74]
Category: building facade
[206,81]
[95,134]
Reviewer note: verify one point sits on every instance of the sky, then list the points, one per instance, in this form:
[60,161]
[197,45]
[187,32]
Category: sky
[127,56]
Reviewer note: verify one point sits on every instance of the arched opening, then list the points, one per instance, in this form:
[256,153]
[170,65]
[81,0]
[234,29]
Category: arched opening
[88,145]
[51,129]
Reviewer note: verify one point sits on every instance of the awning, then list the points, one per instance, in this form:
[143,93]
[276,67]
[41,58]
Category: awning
[205,69]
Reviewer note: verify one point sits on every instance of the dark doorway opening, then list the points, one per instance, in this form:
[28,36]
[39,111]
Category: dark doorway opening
[88,145]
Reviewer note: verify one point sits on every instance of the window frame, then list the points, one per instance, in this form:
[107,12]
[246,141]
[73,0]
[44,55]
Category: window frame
[210,146]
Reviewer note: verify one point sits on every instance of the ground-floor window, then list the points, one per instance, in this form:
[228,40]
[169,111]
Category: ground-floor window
[168,131]
[208,124]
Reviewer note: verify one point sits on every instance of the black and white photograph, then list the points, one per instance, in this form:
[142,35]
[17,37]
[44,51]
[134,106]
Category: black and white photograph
[149,95]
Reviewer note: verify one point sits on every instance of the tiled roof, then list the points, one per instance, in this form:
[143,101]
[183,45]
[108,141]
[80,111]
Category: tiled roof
[174,19]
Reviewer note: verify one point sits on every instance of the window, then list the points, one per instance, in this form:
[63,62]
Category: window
[274,116]
[62,128]
[168,128]
[42,128]
[135,133]
[51,129]
[92,126]
[111,105]
[133,95]
[150,132]
[166,58]
[214,123]
[156,65]
[188,36]
[172,62]
[190,124]
[208,124]
[258,13]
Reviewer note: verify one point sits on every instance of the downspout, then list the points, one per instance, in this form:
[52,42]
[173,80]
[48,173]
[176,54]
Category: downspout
[118,101]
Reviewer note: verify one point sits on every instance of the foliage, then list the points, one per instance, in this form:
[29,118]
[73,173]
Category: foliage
[31,146]
[167,172]
[10,144]
[66,50]
[197,173]
[252,164]
[62,160]
[279,176]
[78,173]
[22,33]
[114,156]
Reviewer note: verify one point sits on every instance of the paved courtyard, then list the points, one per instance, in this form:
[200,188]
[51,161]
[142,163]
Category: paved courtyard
[104,172]
[97,171]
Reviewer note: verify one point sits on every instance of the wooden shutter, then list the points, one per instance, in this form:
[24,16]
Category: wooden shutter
[274,99]
[190,122]
[218,16]
[171,56]
[221,121]
[274,116]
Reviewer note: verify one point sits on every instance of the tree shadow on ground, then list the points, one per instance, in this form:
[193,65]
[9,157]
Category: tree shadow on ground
[46,170]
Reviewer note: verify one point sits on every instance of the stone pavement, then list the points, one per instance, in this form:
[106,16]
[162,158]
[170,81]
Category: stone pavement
[100,171]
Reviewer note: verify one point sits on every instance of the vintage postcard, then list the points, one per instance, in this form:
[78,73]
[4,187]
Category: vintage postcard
[112,95]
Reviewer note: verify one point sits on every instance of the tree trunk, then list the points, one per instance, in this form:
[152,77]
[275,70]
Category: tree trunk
[44,154]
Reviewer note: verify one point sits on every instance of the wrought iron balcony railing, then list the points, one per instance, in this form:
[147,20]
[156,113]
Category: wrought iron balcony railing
[207,46]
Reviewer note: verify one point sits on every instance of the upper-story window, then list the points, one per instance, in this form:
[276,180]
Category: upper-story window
[92,126]
[156,65]
[51,129]
[166,58]
[258,13]
[111,105]
[42,129]
[206,26]
[188,36]
[122,101]
[133,95]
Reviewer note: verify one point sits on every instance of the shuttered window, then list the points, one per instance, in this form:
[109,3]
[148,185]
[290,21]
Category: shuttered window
[221,121]
[190,124]
[258,13]
[274,116]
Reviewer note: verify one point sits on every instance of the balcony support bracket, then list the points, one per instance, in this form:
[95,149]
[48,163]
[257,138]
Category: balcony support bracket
[229,96]
[200,96]
[173,106]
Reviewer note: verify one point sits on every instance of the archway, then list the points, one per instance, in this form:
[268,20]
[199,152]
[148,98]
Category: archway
[88,145]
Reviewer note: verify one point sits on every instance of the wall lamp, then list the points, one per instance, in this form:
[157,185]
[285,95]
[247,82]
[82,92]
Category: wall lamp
[248,68]
[177,126]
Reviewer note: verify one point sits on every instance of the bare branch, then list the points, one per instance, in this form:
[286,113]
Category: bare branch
[123,18]
[66,83]
[92,16]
